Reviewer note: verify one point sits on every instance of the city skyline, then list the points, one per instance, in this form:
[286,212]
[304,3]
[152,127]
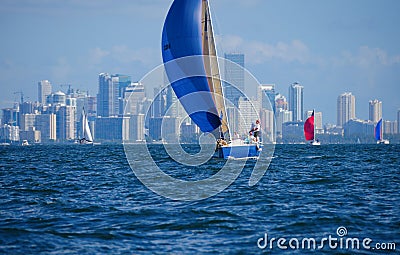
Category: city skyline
[329,50]
[57,119]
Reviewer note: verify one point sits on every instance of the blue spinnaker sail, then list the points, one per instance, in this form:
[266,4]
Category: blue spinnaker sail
[378,130]
[182,38]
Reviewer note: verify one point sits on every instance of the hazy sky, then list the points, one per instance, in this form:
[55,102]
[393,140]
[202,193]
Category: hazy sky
[329,46]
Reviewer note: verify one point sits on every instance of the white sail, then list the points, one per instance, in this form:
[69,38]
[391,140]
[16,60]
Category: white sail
[212,68]
[87,135]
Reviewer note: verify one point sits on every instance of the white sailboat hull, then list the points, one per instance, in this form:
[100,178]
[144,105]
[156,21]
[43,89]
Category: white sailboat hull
[315,143]
[384,141]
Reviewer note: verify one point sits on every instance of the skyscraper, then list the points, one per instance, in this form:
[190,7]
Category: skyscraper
[247,114]
[44,89]
[108,97]
[296,101]
[46,124]
[346,108]
[398,121]
[234,75]
[375,110]
[266,96]
[132,99]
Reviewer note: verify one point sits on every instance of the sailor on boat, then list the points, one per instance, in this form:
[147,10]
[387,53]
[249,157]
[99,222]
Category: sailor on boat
[255,131]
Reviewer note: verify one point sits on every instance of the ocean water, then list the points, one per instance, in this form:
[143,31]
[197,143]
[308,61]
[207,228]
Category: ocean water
[86,200]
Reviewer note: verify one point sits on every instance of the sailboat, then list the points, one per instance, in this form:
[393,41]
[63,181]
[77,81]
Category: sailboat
[309,130]
[86,134]
[190,60]
[379,134]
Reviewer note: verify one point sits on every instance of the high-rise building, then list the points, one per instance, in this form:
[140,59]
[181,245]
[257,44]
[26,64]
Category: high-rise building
[108,96]
[267,121]
[46,124]
[234,77]
[389,127]
[158,106]
[66,120]
[112,128]
[317,119]
[27,121]
[123,81]
[296,101]
[282,116]
[398,121]
[346,108]
[44,89]
[136,128]
[375,110]
[132,99]
[173,106]
[57,98]
[281,102]
[91,107]
[358,128]
[266,96]
[247,114]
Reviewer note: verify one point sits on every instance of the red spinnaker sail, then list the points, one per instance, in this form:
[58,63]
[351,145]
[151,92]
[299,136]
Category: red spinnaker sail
[309,128]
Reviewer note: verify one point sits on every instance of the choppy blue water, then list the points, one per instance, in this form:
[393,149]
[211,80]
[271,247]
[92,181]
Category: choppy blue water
[86,200]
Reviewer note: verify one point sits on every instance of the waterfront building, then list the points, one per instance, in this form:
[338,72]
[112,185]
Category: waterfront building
[266,96]
[375,110]
[293,132]
[389,127]
[132,99]
[47,125]
[27,121]
[248,114]
[355,128]
[164,128]
[112,129]
[108,96]
[136,128]
[233,85]
[296,101]
[11,116]
[267,125]
[282,116]
[65,123]
[398,121]
[9,133]
[317,120]
[346,108]
[31,135]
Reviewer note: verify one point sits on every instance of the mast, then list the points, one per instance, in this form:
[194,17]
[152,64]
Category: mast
[212,69]
[314,126]
[83,122]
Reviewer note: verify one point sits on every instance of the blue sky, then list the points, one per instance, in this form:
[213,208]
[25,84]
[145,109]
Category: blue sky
[330,46]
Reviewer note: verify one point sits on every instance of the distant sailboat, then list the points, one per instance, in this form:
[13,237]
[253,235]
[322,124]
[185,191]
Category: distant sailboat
[379,134]
[86,134]
[309,130]
[189,55]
